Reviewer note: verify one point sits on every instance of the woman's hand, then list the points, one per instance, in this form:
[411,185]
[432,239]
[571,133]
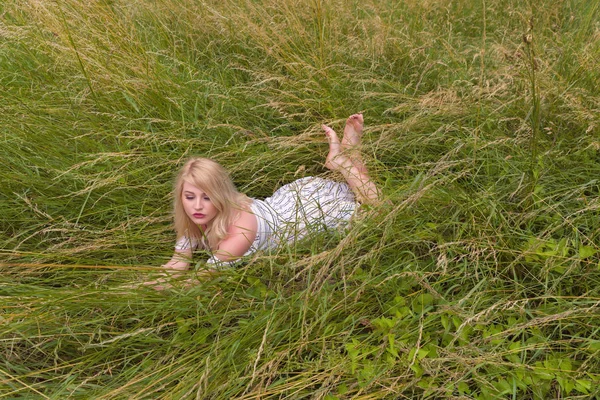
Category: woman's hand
[172,269]
[169,280]
[180,261]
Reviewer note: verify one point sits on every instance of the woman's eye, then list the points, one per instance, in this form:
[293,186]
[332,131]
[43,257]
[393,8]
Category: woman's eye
[207,198]
[189,198]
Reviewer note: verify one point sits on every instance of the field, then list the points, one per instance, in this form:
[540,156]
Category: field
[477,278]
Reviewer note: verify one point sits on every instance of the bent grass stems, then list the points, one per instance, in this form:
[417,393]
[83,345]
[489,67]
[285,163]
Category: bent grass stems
[464,283]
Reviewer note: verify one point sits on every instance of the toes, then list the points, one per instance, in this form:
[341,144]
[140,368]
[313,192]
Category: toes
[355,118]
[330,133]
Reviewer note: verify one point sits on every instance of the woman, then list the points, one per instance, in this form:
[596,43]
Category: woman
[210,213]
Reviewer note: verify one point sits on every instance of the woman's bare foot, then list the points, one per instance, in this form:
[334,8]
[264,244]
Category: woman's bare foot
[353,132]
[352,169]
[335,158]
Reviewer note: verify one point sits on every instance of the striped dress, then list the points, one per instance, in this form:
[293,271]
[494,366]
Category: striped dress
[295,211]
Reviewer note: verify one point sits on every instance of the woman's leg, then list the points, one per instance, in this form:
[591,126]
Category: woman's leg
[345,157]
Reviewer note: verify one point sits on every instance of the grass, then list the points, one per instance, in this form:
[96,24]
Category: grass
[478,279]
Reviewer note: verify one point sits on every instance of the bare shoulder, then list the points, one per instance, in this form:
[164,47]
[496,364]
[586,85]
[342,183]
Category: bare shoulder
[246,222]
[240,236]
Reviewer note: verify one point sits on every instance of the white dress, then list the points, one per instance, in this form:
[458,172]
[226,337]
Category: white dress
[296,210]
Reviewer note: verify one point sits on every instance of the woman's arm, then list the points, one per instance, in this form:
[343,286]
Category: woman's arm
[180,260]
[240,237]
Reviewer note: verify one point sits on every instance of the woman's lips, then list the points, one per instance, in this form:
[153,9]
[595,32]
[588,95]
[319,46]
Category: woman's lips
[198,215]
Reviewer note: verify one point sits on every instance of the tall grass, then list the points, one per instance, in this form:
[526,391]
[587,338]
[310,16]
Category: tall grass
[477,279]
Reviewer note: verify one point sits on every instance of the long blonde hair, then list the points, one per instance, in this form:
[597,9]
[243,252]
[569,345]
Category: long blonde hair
[214,180]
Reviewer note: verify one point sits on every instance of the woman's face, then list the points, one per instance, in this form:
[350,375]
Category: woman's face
[197,204]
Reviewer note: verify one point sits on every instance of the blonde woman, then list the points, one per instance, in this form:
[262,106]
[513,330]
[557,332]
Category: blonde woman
[211,214]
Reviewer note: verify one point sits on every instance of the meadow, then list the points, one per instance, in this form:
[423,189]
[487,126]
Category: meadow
[477,278]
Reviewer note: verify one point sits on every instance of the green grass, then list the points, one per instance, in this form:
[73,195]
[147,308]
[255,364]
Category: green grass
[478,279]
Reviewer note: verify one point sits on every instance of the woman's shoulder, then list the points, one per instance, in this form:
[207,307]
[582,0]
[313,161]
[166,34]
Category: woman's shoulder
[240,236]
[246,220]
